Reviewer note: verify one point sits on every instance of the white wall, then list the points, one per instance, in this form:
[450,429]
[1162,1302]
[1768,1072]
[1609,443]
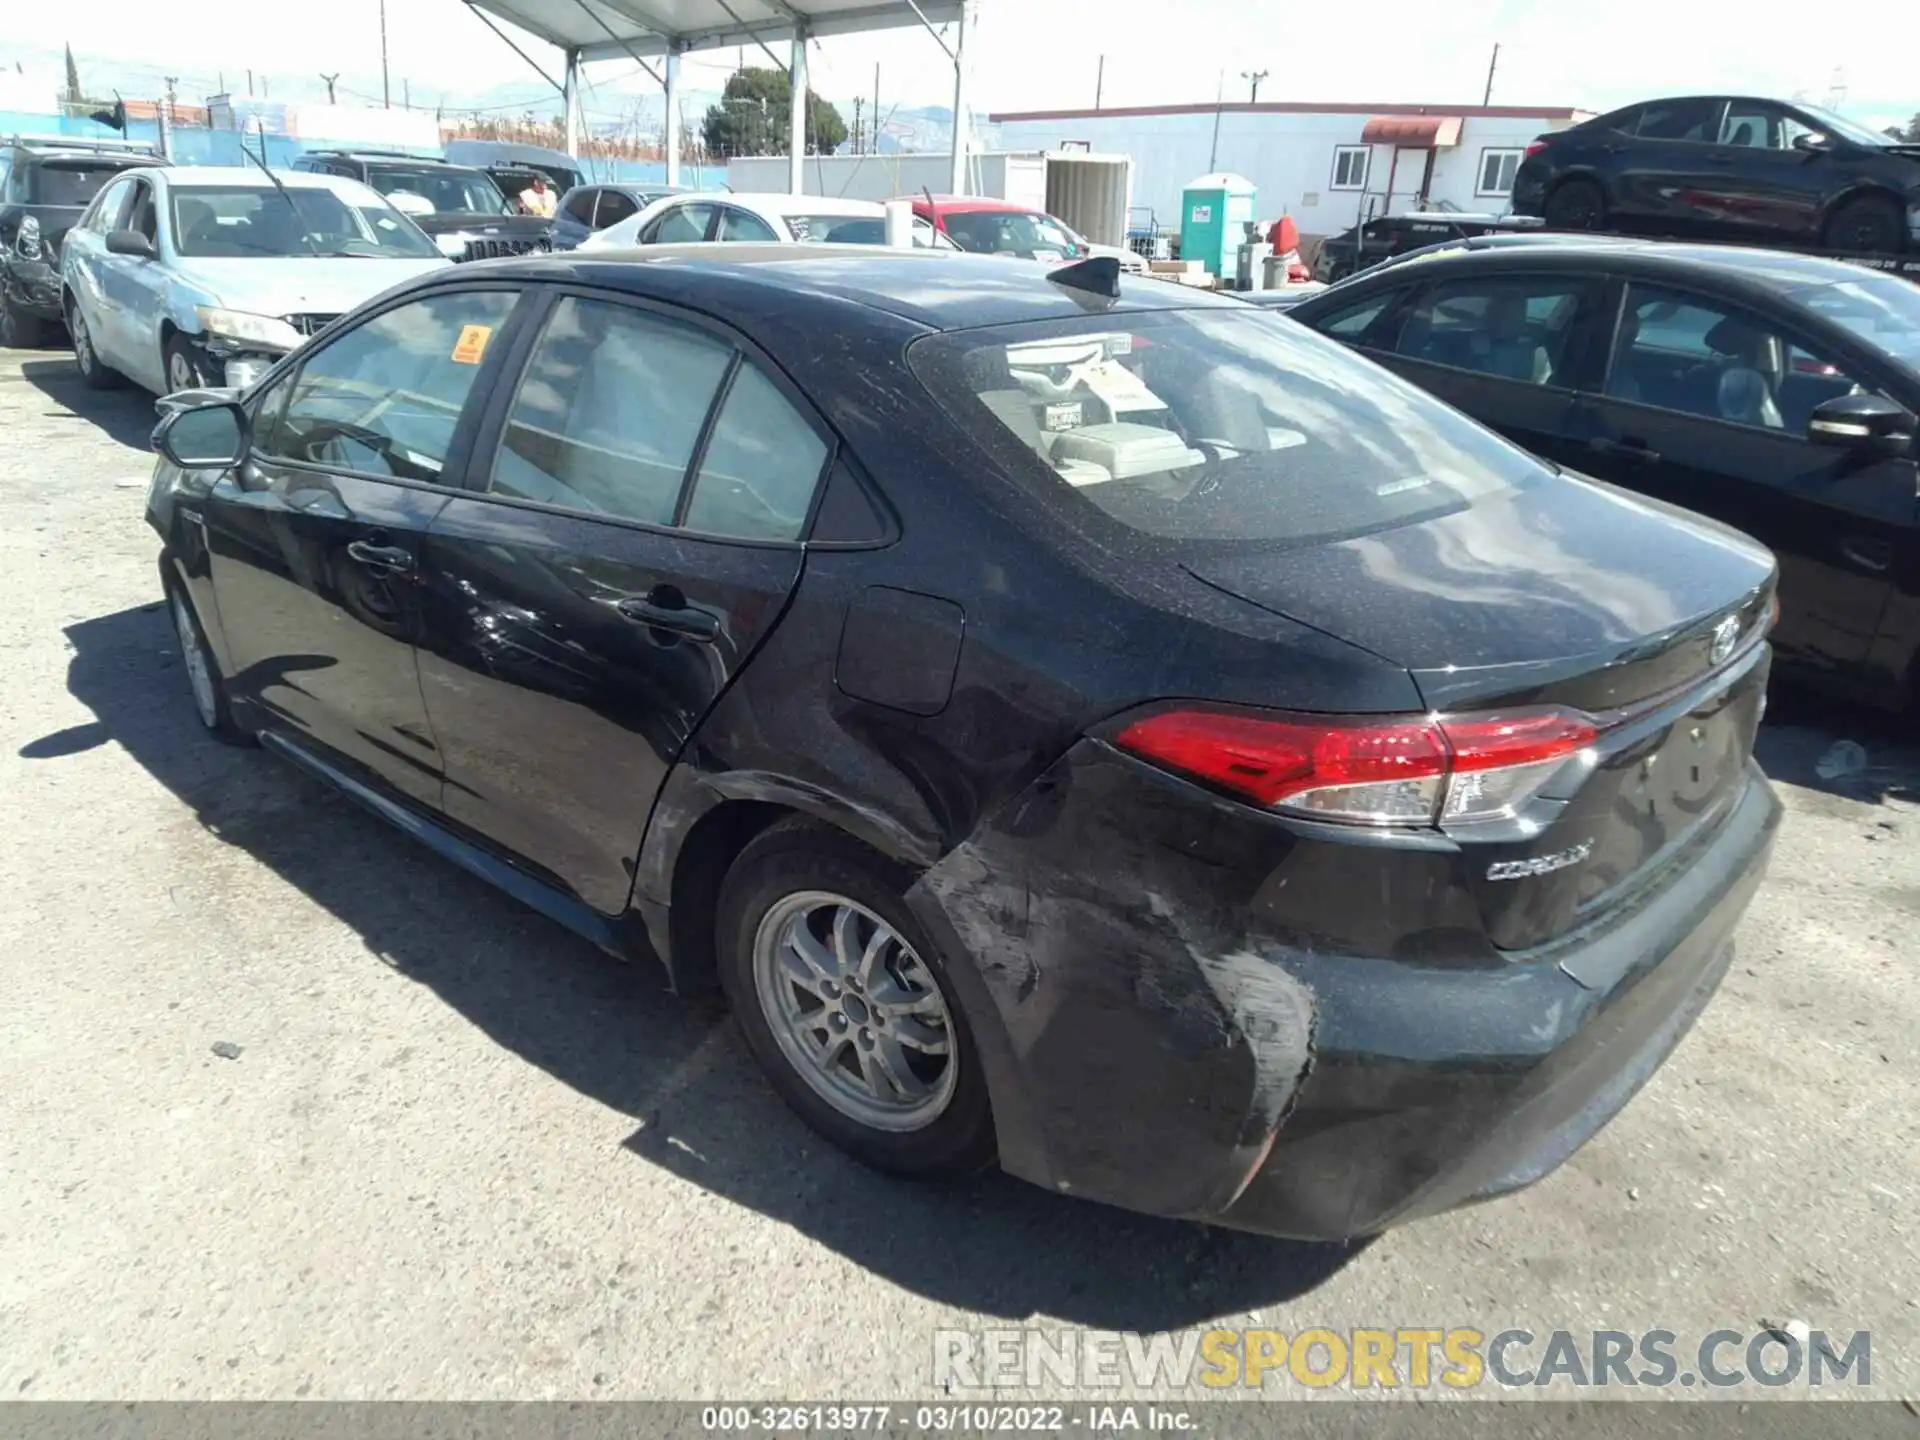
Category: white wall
[1288,156]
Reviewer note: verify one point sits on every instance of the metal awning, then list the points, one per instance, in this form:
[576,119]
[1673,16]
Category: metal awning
[646,30]
[1414,132]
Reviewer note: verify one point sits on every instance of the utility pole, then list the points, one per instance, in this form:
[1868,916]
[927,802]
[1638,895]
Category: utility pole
[876,107]
[329,79]
[859,103]
[249,82]
[1492,65]
[406,92]
[1253,79]
[1219,103]
[1099,81]
[386,86]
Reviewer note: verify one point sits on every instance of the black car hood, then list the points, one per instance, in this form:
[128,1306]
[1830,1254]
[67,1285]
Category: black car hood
[492,227]
[1562,575]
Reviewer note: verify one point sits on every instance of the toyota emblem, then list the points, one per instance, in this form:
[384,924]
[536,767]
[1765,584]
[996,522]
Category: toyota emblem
[1725,634]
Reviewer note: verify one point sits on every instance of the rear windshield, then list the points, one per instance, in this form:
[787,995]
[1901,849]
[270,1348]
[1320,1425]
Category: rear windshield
[1010,232]
[1214,425]
[438,190]
[68,182]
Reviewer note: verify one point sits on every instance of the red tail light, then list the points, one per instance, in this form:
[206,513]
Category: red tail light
[1534,149]
[1376,771]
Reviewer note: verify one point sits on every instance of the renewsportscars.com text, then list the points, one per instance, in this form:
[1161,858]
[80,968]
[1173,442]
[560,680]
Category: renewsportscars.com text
[1459,1358]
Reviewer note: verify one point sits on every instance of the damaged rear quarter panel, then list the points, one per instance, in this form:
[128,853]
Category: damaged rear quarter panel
[1159,1049]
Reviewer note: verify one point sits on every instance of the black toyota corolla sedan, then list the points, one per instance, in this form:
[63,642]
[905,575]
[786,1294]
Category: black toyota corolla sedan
[1080,724]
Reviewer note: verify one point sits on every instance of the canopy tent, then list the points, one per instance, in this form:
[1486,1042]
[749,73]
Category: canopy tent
[664,30]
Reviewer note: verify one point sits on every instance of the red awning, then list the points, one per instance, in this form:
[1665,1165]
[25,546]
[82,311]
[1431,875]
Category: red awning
[1415,132]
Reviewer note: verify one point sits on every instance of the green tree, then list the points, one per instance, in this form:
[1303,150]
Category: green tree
[73,76]
[752,117]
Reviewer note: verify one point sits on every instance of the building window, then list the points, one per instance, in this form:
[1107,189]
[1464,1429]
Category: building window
[1496,171]
[1350,167]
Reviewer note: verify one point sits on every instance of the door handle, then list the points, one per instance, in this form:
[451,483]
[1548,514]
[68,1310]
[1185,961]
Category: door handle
[1720,159]
[1635,450]
[1875,556]
[681,619]
[381,557]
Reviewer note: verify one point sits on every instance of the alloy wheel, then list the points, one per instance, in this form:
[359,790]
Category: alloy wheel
[194,656]
[180,373]
[82,341]
[855,1011]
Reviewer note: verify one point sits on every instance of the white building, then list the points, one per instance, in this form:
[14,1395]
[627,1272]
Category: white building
[1325,165]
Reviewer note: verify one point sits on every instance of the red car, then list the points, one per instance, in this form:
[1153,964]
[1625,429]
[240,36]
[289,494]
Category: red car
[1000,227]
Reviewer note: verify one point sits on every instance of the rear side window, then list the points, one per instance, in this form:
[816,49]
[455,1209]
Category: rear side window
[579,206]
[681,225]
[1515,328]
[615,206]
[1213,426]
[609,411]
[1679,120]
[762,463]
[739,225]
[1350,324]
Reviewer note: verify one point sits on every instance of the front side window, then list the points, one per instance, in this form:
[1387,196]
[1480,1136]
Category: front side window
[1211,426]
[1752,127]
[429,190]
[385,397]
[1350,167]
[108,206]
[1497,169]
[144,217]
[739,225]
[1700,356]
[609,411]
[681,225]
[1515,328]
[239,222]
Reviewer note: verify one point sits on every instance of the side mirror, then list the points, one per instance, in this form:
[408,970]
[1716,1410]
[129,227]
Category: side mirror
[203,437]
[1812,144]
[1867,424]
[129,242]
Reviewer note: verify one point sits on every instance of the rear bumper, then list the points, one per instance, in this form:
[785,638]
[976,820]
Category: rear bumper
[1166,1027]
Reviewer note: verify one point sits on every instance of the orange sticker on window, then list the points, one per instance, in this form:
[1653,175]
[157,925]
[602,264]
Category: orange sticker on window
[472,344]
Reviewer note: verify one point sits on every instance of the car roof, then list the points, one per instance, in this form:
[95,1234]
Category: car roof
[961,204]
[779,203]
[53,149]
[1772,271]
[248,177]
[933,289]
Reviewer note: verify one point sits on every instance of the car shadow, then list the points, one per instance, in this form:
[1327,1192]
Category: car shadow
[126,414]
[1838,748]
[610,1031]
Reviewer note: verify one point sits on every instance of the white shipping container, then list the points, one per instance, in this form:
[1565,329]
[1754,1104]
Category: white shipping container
[1090,192]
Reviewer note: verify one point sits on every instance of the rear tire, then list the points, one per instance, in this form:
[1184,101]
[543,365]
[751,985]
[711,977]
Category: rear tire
[1871,224]
[1576,205]
[92,369]
[833,1025]
[204,682]
[19,330]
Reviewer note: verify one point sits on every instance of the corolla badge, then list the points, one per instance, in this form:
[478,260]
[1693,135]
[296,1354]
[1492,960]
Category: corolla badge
[1540,864]
[1725,634]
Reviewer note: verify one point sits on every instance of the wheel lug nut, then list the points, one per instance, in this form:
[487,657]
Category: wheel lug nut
[839,1022]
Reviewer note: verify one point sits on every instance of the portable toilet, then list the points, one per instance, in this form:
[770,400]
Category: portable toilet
[1214,212]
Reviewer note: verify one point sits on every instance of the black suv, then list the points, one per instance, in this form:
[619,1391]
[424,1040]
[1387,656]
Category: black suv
[1724,167]
[45,182]
[459,206]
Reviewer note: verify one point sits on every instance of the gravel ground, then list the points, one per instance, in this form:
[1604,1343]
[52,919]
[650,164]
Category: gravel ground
[461,1154]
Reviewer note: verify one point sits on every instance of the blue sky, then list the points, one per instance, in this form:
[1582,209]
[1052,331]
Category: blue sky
[1043,54]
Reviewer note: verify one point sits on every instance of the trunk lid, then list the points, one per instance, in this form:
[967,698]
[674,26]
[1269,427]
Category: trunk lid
[1566,593]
